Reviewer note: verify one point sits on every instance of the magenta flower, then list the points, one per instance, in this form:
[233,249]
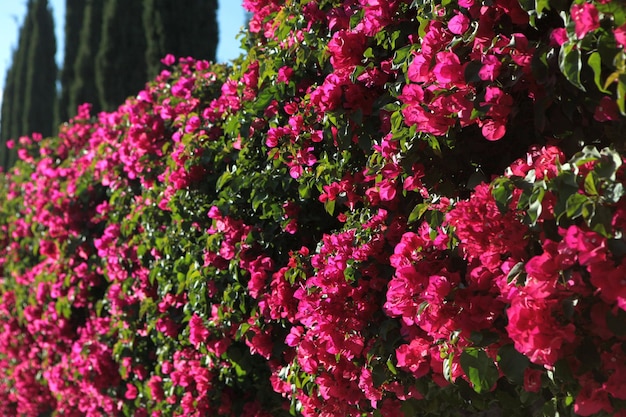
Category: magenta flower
[586,19]
[459,24]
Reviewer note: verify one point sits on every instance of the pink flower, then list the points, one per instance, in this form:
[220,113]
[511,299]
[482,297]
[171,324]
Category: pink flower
[366,383]
[412,93]
[532,380]
[168,60]
[493,130]
[427,121]
[166,326]
[414,357]
[609,279]
[501,104]
[448,68]
[607,108]
[419,69]
[458,24]
[261,342]
[586,19]
[591,399]
[387,190]
[620,35]
[490,69]
[131,391]
[156,388]
[535,331]
[328,95]
[377,15]
[558,36]
[284,74]
[193,124]
[346,48]
[197,332]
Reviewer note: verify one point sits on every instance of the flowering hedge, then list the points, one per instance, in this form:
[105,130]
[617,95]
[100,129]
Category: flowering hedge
[385,208]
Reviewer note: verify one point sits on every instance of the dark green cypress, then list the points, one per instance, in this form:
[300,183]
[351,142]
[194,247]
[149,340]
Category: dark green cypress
[181,28]
[120,62]
[20,66]
[74,14]
[15,91]
[41,75]
[83,87]
[7,105]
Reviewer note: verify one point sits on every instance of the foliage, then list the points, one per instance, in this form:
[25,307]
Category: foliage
[74,18]
[119,38]
[41,85]
[15,84]
[7,110]
[386,208]
[121,49]
[82,87]
[180,29]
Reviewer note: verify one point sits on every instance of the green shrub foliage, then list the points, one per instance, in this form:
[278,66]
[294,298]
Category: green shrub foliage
[385,208]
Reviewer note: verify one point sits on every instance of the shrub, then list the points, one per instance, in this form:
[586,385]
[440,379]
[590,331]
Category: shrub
[385,208]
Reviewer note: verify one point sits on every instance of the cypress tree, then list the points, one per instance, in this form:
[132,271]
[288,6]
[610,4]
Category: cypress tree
[120,62]
[82,88]
[41,74]
[74,14]
[7,105]
[20,66]
[15,90]
[180,28]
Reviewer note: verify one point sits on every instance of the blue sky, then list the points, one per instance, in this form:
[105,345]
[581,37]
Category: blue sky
[230,20]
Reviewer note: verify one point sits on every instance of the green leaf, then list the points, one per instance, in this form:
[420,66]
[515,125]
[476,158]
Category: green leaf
[621,93]
[549,408]
[562,371]
[575,205]
[516,272]
[614,192]
[329,206]
[447,367]
[591,181]
[616,9]
[401,55]
[379,374]
[611,79]
[264,98]
[304,190]
[512,363]
[570,64]
[595,62]
[541,5]
[480,369]
[608,165]
[483,338]
[417,212]
[534,204]
[502,192]
[391,367]
[601,220]
[63,308]
[471,72]
[434,144]
[223,180]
